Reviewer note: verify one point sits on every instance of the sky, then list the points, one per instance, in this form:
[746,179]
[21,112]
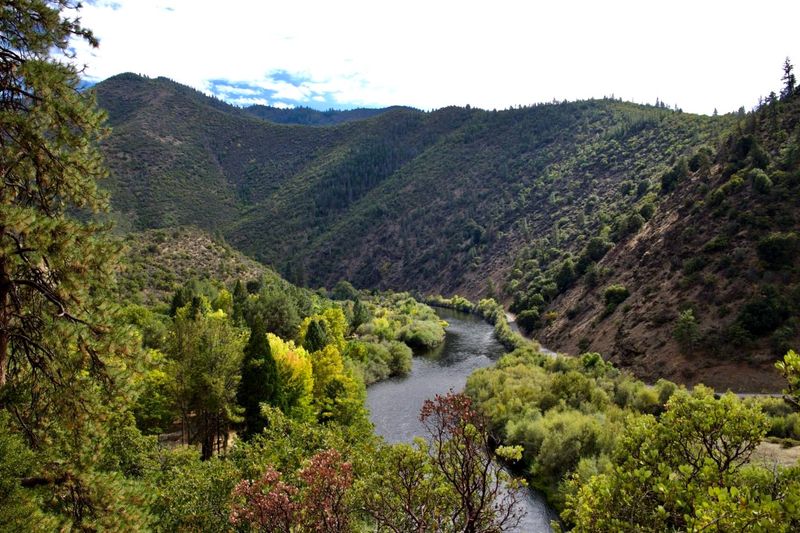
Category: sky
[700,55]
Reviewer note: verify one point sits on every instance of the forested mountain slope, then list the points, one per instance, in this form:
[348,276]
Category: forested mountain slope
[600,222]
[403,199]
[711,280]
[311,117]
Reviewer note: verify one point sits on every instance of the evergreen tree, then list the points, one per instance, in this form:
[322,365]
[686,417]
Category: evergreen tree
[360,315]
[207,353]
[239,303]
[788,80]
[316,337]
[49,261]
[59,361]
[259,380]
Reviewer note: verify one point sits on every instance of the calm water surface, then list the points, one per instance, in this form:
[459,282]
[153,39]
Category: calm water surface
[394,404]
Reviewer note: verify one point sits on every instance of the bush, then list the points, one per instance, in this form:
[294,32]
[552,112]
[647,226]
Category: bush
[670,179]
[778,250]
[528,320]
[760,180]
[614,295]
[764,314]
[422,334]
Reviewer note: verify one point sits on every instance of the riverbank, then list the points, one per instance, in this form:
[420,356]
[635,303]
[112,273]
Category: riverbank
[494,313]
[470,345]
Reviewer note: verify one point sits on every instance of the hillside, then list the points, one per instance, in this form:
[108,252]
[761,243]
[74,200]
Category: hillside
[311,117]
[403,199]
[712,277]
[157,262]
[543,207]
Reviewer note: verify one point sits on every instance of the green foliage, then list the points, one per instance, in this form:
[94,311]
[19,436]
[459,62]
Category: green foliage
[778,250]
[765,313]
[195,495]
[686,331]
[760,180]
[344,290]
[206,352]
[295,375]
[687,471]
[259,383]
[671,178]
[614,295]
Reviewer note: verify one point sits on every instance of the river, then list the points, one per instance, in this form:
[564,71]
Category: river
[394,404]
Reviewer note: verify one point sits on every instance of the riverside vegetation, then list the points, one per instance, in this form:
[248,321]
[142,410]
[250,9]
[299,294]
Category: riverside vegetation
[139,391]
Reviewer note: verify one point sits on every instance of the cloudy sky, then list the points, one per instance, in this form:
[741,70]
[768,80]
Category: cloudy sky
[493,54]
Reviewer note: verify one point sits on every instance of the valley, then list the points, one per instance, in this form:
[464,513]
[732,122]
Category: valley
[542,208]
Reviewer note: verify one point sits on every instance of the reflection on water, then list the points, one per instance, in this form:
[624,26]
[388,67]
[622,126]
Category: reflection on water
[394,404]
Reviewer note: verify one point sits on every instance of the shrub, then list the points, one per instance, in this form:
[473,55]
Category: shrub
[686,331]
[764,314]
[614,295]
[778,249]
[528,320]
[670,179]
[760,180]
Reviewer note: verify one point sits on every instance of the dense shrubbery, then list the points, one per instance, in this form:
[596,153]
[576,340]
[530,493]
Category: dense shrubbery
[616,454]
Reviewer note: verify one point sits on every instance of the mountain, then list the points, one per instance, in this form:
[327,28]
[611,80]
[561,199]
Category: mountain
[402,199]
[544,207]
[311,117]
[713,281]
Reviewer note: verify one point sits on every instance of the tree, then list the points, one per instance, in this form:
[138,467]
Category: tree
[681,471]
[316,337]
[60,358]
[459,447]
[295,376]
[361,315]
[788,80]
[259,382]
[405,491]
[686,331]
[318,503]
[207,354]
[239,303]
[789,368]
[50,262]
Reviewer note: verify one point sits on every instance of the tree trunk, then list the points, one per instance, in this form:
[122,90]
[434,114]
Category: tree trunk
[5,286]
[207,448]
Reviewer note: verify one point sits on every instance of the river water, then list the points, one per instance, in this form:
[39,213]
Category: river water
[394,404]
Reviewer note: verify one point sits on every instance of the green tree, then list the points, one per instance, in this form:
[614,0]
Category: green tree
[316,337]
[61,359]
[239,303]
[207,352]
[686,331]
[680,471]
[789,80]
[259,382]
[361,315]
[296,378]
[50,262]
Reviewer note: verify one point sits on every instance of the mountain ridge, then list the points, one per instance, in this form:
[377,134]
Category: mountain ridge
[457,200]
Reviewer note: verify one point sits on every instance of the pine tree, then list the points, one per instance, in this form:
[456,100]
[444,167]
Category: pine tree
[52,265]
[788,80]
[60,358]
[259,380]
[316,337]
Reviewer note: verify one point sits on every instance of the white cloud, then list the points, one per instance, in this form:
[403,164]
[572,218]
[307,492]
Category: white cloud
[700,55]
[244,101]
[230,89]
